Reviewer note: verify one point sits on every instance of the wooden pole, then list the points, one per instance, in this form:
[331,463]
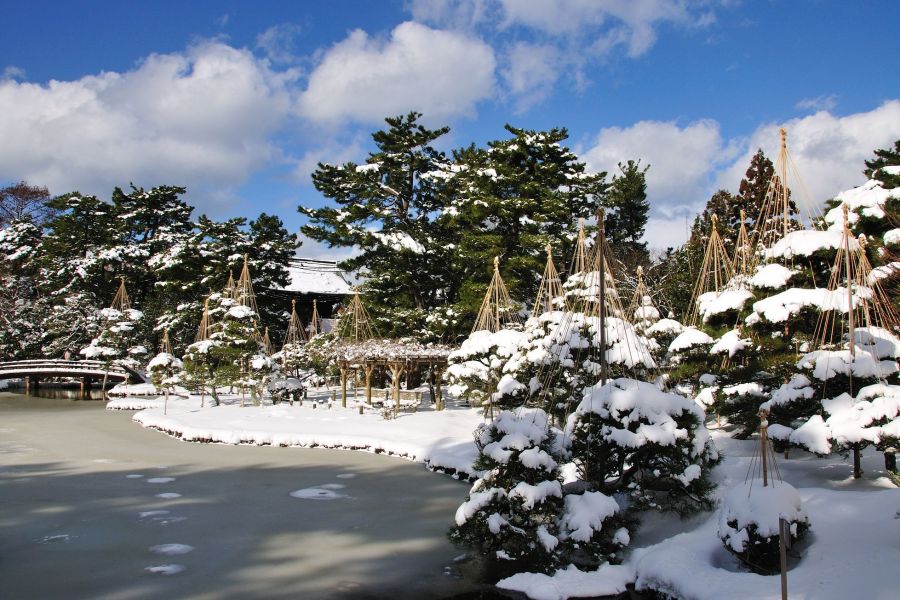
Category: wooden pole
[784,531]
[343,386]
[850,314]
[368,370]
[438,395]
[763,439]
[396,372]
[601,237]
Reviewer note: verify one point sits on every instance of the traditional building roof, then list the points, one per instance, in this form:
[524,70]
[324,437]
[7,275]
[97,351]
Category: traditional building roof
[321,277]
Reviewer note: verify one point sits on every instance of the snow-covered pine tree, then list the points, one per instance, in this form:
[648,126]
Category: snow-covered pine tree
[629,438]
[118,341]
[200,364]
[389,209]
[165,369]
[511,512]
[512,199]
[21,306]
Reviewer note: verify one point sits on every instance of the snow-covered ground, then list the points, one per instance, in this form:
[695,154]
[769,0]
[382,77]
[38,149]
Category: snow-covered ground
[852,548]
[442,440]
[851,551]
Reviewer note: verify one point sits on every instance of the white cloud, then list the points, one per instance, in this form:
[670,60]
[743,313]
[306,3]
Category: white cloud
[828,102]
[681,159]
[828,150]
[687,164]
[442,74]
[201,118]
[278,42]
[531,72]
[631,23]
[13,72]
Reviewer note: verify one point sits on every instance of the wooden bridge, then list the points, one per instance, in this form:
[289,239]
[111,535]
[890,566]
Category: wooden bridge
[88,371]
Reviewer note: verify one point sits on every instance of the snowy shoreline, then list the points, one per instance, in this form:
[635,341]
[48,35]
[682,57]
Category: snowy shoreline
[684,559]
[441,441]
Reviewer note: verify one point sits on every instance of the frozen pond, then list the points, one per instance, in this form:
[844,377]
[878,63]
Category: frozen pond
[92,505]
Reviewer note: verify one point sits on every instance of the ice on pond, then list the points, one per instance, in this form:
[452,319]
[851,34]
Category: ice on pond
[165,569]
[168,495]
[317,493]
[103,460]
[346,476]
[53,539]
[160,480]
[133,476]
[171,549]
[152,513]
[333,486]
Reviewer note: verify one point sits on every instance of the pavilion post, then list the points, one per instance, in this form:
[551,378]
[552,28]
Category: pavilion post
[438,396]
[396,372]
[368,370]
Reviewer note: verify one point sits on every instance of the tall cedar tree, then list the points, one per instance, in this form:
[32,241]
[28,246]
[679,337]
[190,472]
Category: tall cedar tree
[627,217]
[388,208]
[510,201]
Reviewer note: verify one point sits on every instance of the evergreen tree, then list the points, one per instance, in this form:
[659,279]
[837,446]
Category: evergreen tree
[626,220]
[511,513]
[511,200]
[21,306]
[271,248]
[886,157]
[389,209]
[623,440]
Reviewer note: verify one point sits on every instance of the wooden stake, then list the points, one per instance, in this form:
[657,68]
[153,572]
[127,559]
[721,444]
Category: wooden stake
[784,532]
[601,238]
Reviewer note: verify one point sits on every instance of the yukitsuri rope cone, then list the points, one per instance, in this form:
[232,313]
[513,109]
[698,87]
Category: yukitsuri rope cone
[742,263]
[715,272]
[497,309]
[243,289]
[550,295]
[315,325]
[267,343]
[120,301]
[295,333]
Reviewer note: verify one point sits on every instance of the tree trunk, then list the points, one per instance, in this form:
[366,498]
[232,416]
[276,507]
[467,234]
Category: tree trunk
[890,462]
[857,467]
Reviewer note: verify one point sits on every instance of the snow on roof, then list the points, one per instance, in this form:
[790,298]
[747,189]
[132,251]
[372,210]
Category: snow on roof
[309,276]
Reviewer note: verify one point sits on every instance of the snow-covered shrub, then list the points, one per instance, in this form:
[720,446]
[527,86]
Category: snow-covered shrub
[628,437]
[285,389]
[117,341]
[474,371]
[512,511]
[749,522]
[559,358]
[851,424]
[165,370]
[593,529]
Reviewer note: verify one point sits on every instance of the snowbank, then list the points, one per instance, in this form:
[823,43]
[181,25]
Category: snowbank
[442,440]
[853,555]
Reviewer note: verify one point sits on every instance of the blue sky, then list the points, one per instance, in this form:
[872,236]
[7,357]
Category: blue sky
[239,100]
